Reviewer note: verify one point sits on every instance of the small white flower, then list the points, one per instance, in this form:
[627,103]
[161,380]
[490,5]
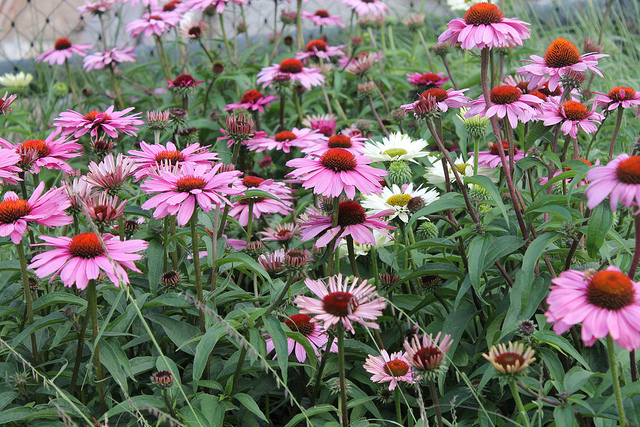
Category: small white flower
[382,240]
[16,80]
[396,147]
[398,199]
[435,174]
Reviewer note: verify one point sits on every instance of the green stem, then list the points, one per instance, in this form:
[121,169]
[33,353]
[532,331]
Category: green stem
[79,349]
[74,91]
[196,266]
[352,256]
[238,371]
[214,255]
[205,50]
[121,227]
[615,131]
[280,297]
[299,34]
[174,254]
[92,297]
[168,402]
[165,244]
[250,220]
[28,301]
[374,264]
[331,246]
[616,380]
[323,363]
[436,402]
[398,404]
[162,57]
[476,152]
[426,49]
[224,38]
[116,88]
[516,397]
[343,379]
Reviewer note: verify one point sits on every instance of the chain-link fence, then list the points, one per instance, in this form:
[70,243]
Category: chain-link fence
[28,27]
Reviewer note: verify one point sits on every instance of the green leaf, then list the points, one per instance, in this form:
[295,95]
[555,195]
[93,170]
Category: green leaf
[448,201]
[41,323]
[116,362]
[304,342]
[155,264]
[478,248]
[563,416]
[62,298]
[279,337]
[204,348]
[575,379]
[180,333]
[244,260]
[598,227]
[536,132]
[560,343]
[248,402]
[502,246]
[316,410]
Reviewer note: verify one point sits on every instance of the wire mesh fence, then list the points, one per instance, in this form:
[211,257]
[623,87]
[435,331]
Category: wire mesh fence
[28,27]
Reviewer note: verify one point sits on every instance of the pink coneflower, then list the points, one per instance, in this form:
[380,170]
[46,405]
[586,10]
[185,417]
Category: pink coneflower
[113,56]
[320,49]
[619,179]
[184,80]
[283,141]
[156,155]
[560,57]
[103,208]
[572,114]
[426,81]
[111,173]
[77,191]
[362,63]
[50,153]
[337,170]
[9,170]
[444,99]
[507,101]
[145,3]
[367,7]
[605,302]
[353,144]
[45,209]
[512,360]
[342,302]
[272,262]
[325,123]
[321,18]
[96,8]
[484,25]
[352,221]
[389,368]
[427,355]
[201,5]
[252,100]
[110,122]
[283,233]
[492,159]
[5,103]
[62,50]
[303,324]
[185,185]
[192,29]
[80,259]
[295,70]
[624,97]
[157,23]
[261,205]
